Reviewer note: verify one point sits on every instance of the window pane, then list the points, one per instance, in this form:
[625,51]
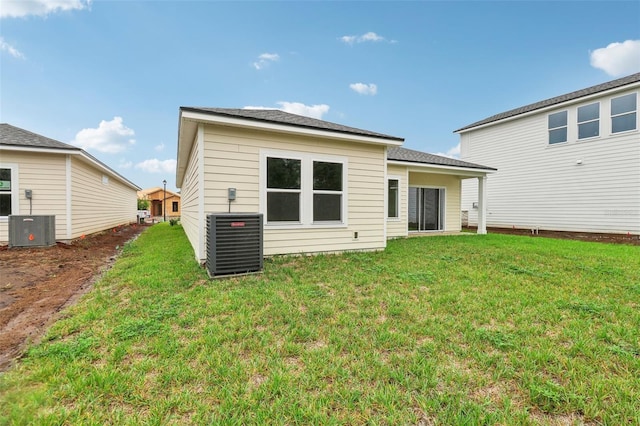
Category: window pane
[283,173]
[588,112]
[327,176]
[393,198]
[588,130]
[283,207]
[5,204]
[623,104]
[622,123]
[5,179]
[558,135]
[327,207]
[558,119]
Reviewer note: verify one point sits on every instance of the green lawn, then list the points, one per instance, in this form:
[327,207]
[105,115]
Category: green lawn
[442,330]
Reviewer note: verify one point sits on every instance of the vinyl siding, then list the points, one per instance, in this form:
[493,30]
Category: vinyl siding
[49,188]
[541,186]
[232,160]
[191,201]
[398,227]
[452,186]
[96,206]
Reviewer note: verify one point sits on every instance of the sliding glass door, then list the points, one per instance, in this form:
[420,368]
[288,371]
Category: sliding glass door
[426,209]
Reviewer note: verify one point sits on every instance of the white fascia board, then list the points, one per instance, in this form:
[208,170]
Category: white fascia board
[187,129]
[40,150]
[442,169]
[286,128]
[560,105]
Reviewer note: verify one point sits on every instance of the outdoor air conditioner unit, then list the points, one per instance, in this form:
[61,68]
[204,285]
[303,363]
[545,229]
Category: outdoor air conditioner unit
[32,231]
[234,243]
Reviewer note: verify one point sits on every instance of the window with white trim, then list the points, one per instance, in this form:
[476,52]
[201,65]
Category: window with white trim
[7,190]
[283,189]
[557,124]
[393,198]
[304,189]
[327,191]
[624,113]
[589,121]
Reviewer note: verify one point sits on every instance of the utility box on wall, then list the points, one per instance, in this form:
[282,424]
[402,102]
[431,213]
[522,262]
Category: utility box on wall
[234,243]
[32,231]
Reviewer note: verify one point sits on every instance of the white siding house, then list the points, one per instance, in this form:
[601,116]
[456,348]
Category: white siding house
[569,163]
[83,194]
[321,187]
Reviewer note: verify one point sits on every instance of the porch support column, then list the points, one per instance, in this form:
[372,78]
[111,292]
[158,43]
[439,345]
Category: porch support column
[482,205]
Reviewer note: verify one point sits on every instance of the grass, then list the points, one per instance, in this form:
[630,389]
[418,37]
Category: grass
[471,330]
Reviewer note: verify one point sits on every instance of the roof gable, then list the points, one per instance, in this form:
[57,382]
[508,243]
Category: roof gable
[411,156]
[267,120]
[281,117]
[20,139]
[156,191]
[614,84]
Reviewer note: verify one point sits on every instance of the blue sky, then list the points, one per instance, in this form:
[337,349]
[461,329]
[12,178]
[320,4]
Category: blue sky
[110,76]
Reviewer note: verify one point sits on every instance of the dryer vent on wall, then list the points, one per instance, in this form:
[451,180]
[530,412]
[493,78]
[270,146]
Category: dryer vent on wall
[234,243]
[32,230]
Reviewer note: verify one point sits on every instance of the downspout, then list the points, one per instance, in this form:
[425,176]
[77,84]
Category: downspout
[68,197]
[386,197]
[202,220]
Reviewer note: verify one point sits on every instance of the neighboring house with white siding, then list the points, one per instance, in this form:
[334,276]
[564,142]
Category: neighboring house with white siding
[321,186]
[569,163]
[83,194]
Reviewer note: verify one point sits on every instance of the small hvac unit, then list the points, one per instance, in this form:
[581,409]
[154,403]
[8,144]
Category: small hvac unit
[234,243]
[32,230]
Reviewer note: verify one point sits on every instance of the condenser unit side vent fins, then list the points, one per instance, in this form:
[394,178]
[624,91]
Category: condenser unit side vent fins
[32,230]
[234,243]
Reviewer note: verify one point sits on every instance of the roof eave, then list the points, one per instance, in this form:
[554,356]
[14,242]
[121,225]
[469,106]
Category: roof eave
[213,118]
[47,150]
[73,151]
[458,170]
[542,109]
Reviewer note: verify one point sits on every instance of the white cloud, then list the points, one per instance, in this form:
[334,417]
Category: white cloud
[364,89]
[349,39]
[159,148]
[453,152]
[6,47]
[265,59]
[157,166]
[370,36]
[312,111]
[124,164]
[618,59]
[22,8]
[110,137]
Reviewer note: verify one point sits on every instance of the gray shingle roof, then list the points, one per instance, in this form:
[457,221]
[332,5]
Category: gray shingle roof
[15,136]
[411,156]
[281,117]
[634,78]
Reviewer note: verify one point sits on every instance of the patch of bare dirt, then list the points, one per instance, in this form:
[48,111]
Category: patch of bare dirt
[581,236]
[38,282]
